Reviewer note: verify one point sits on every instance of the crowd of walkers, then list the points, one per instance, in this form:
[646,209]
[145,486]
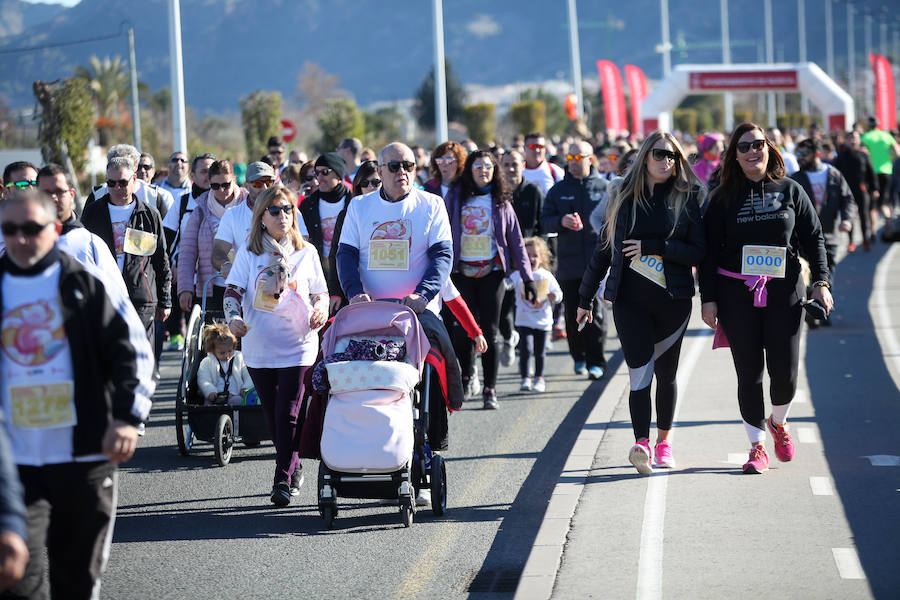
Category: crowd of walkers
[499,250]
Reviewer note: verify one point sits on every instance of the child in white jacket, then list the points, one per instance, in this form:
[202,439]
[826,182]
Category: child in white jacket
[534,321]
[222,376]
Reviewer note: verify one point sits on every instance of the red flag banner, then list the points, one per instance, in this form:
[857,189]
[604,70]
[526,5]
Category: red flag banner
[885,99]
[637,88]
[613,96]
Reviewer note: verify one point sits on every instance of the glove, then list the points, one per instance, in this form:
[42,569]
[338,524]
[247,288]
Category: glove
[416,302]
[530,291]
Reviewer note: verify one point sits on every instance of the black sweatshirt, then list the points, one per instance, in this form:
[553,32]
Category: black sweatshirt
[766,213]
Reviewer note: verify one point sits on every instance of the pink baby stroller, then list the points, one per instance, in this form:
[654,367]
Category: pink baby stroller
[374,442]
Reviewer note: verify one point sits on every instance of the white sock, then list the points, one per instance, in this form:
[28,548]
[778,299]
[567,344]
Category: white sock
[755,433]
[779,413]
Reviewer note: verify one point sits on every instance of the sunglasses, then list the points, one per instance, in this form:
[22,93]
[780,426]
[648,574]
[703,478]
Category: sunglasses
[536,146]
[374,182]
[660,154]
[29,228]
[578,157]
[261,183]
[114,183]
[486,166]
[144,167]
[744,147]
[285,208]
[395,165]
[445,161]
[22,184]
[803,153]
[220,186]
[324,171]
[178,160]
[309,178]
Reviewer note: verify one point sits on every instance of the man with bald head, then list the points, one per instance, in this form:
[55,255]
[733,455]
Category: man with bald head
[566,211]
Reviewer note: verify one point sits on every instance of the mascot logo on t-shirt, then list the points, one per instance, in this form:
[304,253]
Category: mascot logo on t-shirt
[328,229]
[33,334]
[475,220]
[118,229]
[393,230]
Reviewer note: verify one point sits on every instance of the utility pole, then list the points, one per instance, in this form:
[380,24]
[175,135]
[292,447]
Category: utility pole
[135,101]
[868,76]
[666,45]
[179,128]
[851,52]
[801,39]
[440,81]
[728,97]
[829,38]
[770,58]
[576,60]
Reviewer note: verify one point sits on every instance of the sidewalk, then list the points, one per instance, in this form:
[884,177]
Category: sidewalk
[814,527]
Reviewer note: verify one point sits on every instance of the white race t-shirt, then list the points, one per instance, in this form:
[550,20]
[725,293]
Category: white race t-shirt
[120,216]
[328,214]
[818,180]
[542,176]
[91,251]
[393,240]
[476,238]
[279,334]
[37,384]
[539,315]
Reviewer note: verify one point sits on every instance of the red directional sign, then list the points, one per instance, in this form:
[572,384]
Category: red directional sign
[288,130]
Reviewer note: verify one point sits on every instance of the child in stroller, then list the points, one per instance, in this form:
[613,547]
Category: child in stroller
[222,377]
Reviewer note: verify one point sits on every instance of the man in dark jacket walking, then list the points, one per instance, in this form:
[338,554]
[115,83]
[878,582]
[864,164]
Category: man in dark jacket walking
[856,167]
[567,207]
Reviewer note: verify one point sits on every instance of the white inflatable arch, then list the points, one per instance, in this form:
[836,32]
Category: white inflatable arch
[808,78]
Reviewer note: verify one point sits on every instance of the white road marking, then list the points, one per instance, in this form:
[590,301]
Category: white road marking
[884,329]
[883,460]
[807,435]
[737,459]
[801,396]
[650,562]
[821,486]
[848,565]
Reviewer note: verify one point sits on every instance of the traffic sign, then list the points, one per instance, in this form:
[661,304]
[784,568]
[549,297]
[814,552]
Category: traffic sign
[288,130]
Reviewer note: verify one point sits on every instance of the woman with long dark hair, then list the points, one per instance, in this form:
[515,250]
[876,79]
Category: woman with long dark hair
[651,237]
[487,245]
[758,224]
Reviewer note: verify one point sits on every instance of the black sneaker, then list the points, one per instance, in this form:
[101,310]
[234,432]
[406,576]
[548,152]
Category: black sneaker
[281,494]
[297,480]
[490,399]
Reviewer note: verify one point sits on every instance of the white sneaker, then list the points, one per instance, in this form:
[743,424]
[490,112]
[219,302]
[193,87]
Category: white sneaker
[539,384]
[548,344]
[424,497]
[142,429]
[526,384]
[507,353]
[475,385]
[514,339]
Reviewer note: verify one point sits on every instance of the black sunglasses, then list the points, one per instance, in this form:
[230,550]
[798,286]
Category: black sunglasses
[395,165]
[324,171]
[220,186]
[144,167]
[374,182]
[122,183]
[274,210]
[661,154]
[22,184]
[744,147]
[309,178]
[29,228]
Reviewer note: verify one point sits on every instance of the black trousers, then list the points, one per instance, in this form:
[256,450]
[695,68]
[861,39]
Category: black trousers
[585,345]
[71,512]
[507,314]
[760,338]
[532,341]
[484,297]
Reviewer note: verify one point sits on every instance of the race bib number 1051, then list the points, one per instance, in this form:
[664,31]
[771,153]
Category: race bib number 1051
[388,255]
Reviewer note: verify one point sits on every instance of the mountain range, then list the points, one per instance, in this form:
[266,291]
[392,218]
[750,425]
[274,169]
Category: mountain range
[380,49]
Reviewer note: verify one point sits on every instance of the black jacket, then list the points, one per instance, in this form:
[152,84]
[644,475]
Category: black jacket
[571,195]
[112,362]
[309,210]
[684,248]
[857,169]
[147,278]
[837,205]
[528,202]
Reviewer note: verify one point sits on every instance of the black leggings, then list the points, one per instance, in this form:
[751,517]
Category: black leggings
[751,331]
[484,297]
[529,338]
[651,326]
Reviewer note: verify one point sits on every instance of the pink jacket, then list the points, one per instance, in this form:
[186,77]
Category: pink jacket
[195,248]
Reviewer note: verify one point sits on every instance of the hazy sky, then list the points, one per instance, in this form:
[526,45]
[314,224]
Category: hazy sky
[63,2]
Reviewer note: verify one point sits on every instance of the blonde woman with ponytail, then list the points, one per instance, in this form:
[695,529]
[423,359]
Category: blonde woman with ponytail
[650,239]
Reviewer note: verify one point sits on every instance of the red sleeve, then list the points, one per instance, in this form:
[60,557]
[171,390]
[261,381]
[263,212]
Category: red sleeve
[461,311]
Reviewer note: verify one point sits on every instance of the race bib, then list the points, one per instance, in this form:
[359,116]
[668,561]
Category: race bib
[650,266]
[763,260]
[139,243]
[475,247]
[262,300]
[388,255]
[47,406]
[542,286]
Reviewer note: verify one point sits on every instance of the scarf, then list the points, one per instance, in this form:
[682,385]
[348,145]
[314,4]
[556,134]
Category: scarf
[338,193]
[218,210]
[279,268]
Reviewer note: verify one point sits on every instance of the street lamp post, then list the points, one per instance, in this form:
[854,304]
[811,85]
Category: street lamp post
[135,101]
[576,60]
[179,128]
[728,98]
[851,53]
[770,58]
[801,39]
[666,45]
[867,72]
[829,38]
[440,82]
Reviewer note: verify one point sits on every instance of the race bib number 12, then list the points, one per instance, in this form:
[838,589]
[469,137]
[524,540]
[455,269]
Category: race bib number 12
[388,255]
[763,260]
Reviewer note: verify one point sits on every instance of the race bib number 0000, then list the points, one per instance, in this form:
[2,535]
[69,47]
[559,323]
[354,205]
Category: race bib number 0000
[388,255]
[650,266]
[47,406]
[763,260]
[139,243]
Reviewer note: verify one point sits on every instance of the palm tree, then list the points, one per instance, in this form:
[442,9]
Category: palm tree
[110,86]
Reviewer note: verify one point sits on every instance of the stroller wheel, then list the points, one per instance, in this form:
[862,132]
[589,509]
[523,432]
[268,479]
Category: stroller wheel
[406,511]
[250,443]
[438,485]
[183,434]
[328,511]
[224,440]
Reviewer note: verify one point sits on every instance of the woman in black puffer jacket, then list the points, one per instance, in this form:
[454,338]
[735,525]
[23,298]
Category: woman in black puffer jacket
[652,236]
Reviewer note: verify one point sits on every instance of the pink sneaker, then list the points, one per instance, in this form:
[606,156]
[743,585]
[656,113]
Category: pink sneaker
[639,456]
[662,455]
[784,445]
[759,461]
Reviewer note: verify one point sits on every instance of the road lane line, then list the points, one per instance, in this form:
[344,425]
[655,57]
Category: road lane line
[650,563]
[848,565]
[884,329]
[821,486]
[807,435]
[737,459]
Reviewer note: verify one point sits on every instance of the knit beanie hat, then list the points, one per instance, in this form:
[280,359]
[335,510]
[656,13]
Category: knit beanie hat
[333,161]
